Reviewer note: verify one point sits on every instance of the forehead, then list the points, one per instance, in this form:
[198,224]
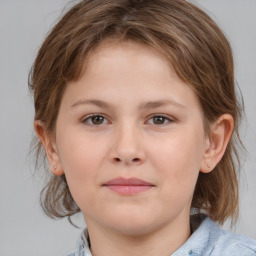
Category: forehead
[113,51]
[118,59]
[129,70]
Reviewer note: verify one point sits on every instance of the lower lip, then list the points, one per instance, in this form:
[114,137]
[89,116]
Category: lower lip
[129,190]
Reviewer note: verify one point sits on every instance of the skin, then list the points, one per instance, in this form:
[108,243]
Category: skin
[149,126]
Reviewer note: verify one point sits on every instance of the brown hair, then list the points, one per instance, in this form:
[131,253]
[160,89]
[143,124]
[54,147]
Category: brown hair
[193,43]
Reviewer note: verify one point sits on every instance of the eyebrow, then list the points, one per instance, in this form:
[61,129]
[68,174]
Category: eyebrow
[147,105]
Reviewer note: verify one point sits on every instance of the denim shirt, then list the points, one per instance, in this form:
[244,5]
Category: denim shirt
[207,239]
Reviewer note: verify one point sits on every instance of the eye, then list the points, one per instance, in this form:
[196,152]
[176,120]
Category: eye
[95,120]
[159,120]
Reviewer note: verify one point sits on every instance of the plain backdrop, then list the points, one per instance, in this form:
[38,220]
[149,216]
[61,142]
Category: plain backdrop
[24,229]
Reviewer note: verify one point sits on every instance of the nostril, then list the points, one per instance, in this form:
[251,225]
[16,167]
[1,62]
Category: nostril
[135,160]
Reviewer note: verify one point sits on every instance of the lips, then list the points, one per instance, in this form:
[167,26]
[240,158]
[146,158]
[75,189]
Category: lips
[130,186]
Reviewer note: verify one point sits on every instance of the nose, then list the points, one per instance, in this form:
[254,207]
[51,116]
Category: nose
[127,146]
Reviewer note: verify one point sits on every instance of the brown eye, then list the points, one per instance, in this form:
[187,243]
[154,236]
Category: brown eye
[95,120]
[159,120]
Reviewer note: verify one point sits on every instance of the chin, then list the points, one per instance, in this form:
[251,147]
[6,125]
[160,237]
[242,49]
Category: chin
[133,225]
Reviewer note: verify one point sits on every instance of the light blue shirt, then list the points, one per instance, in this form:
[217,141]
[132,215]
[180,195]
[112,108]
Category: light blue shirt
[207,239]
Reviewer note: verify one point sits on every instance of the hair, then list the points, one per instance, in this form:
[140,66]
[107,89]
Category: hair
[192,42]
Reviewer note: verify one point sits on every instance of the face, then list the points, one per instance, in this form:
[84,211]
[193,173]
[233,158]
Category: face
[130,140]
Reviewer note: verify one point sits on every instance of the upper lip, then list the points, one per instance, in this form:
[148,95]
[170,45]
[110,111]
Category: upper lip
[127,182]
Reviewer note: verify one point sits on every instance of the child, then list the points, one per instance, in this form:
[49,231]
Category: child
[136,110]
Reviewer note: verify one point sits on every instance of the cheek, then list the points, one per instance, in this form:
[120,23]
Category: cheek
[80,157]
[178,159]
[81,160]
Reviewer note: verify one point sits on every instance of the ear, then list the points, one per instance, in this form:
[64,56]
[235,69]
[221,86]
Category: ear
[217,141]
[50,148]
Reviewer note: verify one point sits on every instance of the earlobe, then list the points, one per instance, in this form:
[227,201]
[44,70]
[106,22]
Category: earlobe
[50,148]
[217,141]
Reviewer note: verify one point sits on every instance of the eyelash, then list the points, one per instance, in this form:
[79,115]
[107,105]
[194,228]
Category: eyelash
[165,118]
[89,117]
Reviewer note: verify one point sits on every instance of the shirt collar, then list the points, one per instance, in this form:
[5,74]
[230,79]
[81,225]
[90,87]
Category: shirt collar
[204,235]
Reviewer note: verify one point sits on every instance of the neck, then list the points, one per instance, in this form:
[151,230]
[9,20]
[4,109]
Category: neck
[164,241]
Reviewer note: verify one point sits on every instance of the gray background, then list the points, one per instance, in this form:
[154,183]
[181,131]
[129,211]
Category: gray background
[24,229]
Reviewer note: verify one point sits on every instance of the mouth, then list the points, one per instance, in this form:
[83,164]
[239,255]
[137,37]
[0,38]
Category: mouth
[128,187]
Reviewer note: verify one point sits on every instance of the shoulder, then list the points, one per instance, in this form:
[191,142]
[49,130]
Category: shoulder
[229,243]
[220,242]
[208,239]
